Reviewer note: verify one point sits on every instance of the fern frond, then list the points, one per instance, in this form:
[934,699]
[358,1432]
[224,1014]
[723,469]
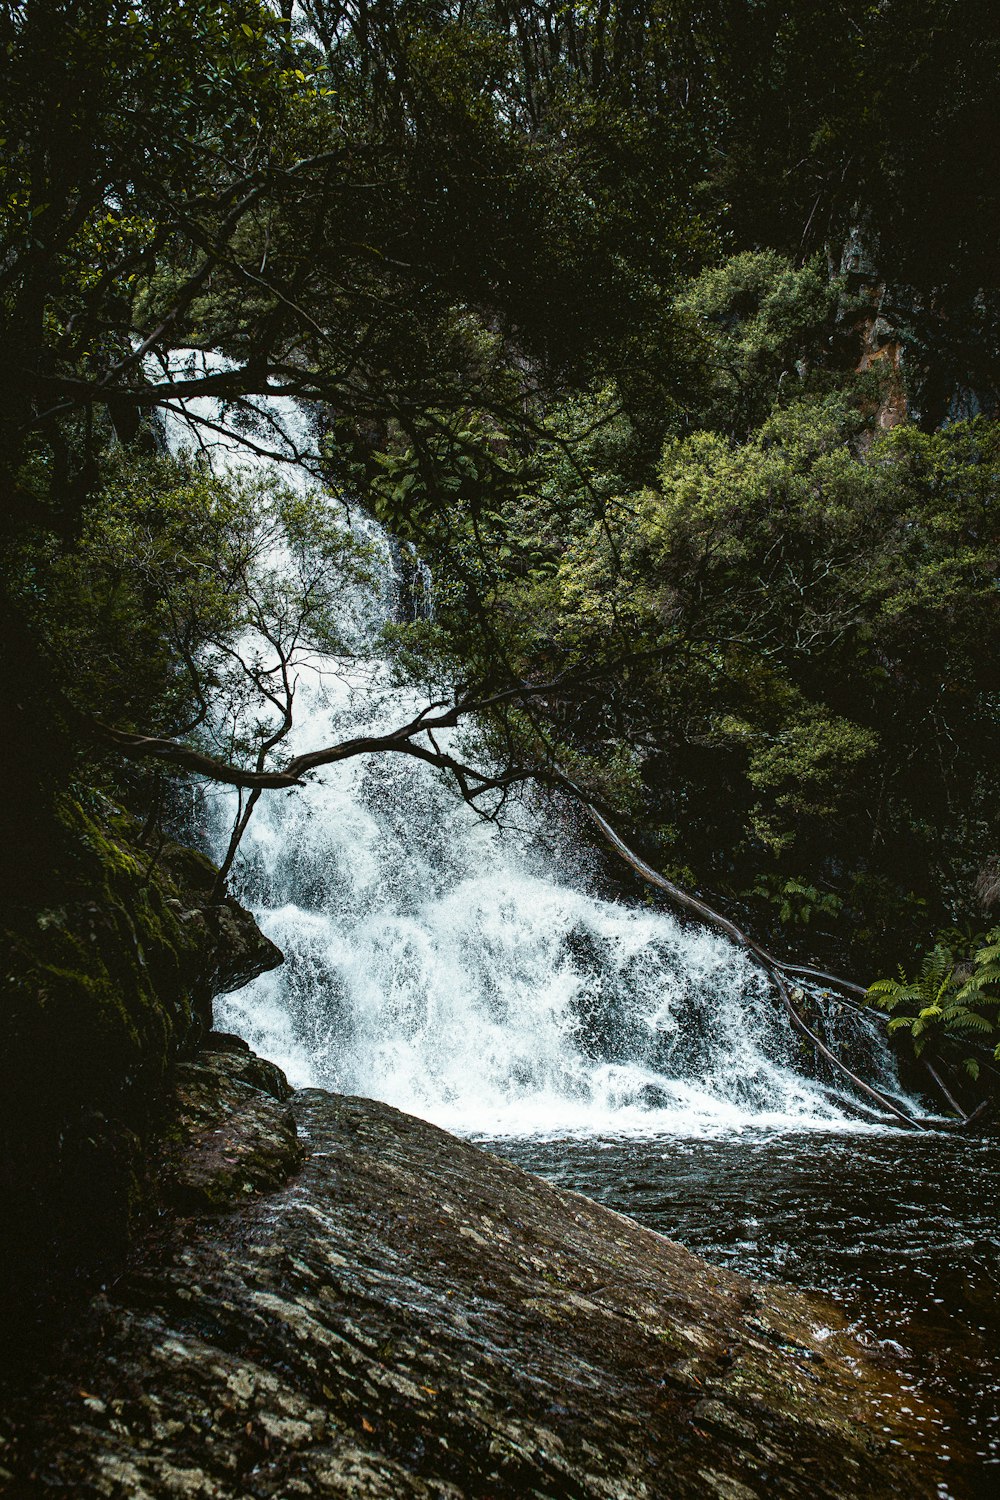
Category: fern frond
[990,954]
[976,984]
[970,1020]
[892,993]
[988,974]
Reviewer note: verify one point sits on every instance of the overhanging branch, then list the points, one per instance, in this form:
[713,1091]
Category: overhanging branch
[403,740]
[473,783]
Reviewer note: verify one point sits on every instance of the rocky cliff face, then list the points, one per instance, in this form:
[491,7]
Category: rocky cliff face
[109,964]
[406,1315]
[936,352]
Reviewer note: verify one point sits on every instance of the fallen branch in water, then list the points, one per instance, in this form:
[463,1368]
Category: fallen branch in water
[779,972]
[945,1091]
[982,1110]
[407,739]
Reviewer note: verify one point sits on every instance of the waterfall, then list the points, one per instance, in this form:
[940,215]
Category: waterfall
[471,974]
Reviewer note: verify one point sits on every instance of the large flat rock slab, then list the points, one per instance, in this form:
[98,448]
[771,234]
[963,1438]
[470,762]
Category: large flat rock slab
[412,1316]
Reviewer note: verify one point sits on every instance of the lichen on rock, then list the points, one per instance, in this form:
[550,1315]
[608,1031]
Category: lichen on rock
[232,1134]
[410,1316]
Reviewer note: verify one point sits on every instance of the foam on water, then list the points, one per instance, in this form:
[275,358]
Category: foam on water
[452,970]
[472,976]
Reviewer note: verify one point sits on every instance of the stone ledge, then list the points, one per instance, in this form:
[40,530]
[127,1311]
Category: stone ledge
[411,1316]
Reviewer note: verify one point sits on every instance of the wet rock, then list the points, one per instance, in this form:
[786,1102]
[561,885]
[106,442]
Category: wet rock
[241,1063]
[231,1136]
[109,963]
[236,950]
[411,1316]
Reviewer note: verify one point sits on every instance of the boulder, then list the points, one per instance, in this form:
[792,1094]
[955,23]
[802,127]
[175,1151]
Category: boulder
[109,965]
[410,1316]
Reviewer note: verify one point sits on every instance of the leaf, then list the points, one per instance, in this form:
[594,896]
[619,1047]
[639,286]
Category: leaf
[971,1020]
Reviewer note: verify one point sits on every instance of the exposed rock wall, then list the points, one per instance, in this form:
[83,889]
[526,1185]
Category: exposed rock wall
[410,1316]
[108,965]
[936,352]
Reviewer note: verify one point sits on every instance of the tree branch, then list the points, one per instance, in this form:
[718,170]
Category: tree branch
[777,970]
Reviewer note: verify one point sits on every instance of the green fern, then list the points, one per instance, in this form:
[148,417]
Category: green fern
[947,999]
[927,990]
[984,981]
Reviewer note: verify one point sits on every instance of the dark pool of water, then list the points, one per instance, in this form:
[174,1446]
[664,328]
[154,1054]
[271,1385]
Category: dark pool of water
[902,1231]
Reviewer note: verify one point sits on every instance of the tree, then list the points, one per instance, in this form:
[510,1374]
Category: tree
[357,208]
[794,632]
[468,234]
[225,587]
[341,211]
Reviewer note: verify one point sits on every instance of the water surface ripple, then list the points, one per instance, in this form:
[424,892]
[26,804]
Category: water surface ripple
[901,1231]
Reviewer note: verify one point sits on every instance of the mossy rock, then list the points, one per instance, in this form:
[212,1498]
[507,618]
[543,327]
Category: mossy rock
[232,1135]
[106,984]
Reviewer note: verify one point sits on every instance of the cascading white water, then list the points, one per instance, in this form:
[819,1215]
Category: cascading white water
[471,976]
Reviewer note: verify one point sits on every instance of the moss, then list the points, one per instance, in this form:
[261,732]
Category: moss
[108,980]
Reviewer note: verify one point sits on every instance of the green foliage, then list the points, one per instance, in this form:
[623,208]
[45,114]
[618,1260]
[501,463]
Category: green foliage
[766,324]
[192,600]
[755,635]
[862,114]
[804,767]
[770,622]
[447,481]
[798,902]
[365,212]
[561,286]
[644,471]
[118,120]
[948,1001]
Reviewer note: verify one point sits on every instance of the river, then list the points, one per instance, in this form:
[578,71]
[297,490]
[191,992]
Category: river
[480,977]
[900,1230]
